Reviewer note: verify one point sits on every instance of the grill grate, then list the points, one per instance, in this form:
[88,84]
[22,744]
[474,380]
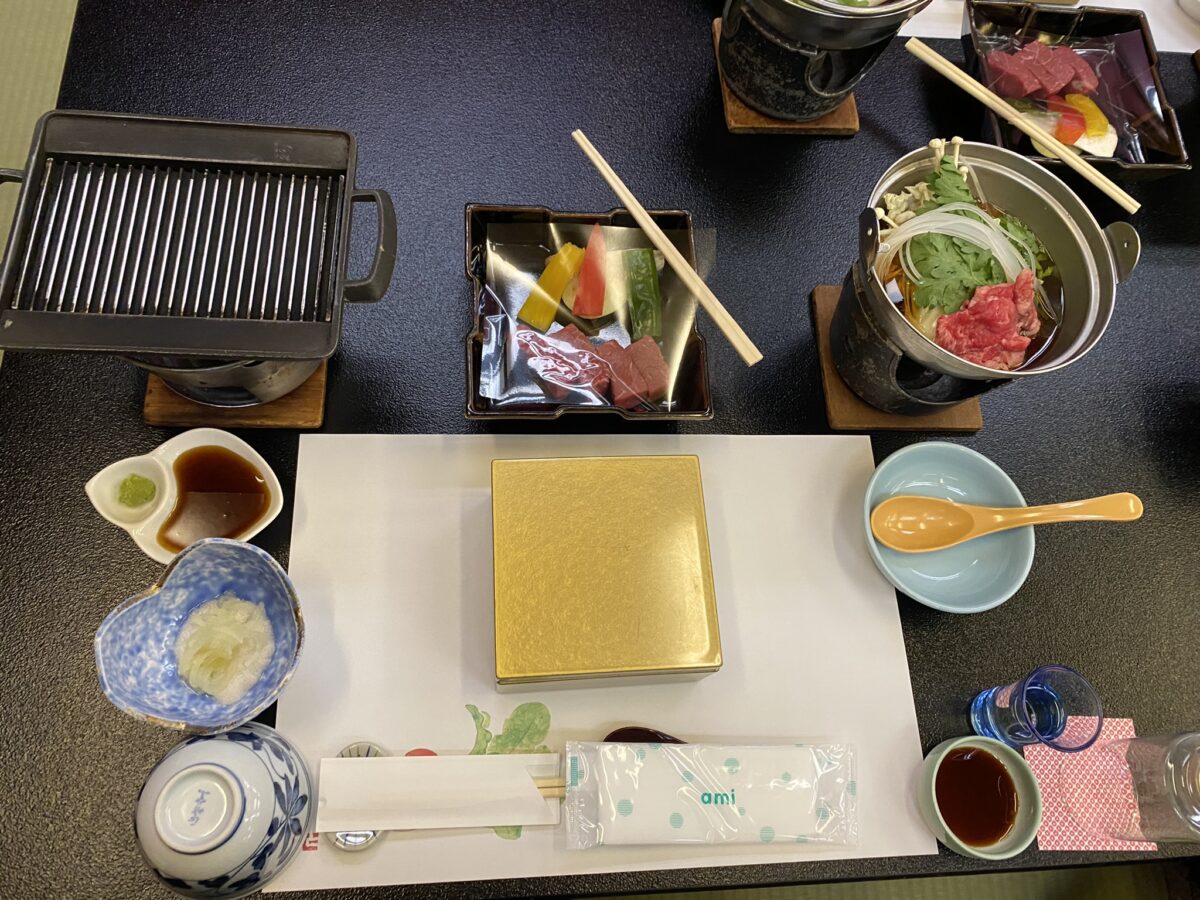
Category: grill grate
[155,240]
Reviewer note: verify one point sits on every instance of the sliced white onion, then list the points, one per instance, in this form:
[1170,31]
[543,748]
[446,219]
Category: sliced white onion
[978,228]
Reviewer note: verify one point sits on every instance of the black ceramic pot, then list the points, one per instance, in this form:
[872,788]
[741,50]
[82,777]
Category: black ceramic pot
[799,59]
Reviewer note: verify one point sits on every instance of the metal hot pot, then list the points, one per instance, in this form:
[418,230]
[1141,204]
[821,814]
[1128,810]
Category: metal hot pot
[799,59]
[892,366]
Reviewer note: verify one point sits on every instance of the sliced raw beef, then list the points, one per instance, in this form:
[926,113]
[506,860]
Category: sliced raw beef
[1028,322]
[1085,80]
[626,382]
[987,330]
[1010,76]
[1038,71]
[649,361]
[573,336]
[1061,70]
[1050,72]
[564,362]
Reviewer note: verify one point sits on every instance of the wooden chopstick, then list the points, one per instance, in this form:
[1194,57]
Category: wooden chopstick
[551,787]
[988,98]
[729,327]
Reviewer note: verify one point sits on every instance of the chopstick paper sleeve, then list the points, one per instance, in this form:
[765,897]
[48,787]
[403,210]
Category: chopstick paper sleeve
[400,792]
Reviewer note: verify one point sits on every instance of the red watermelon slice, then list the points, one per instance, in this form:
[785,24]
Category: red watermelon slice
[589,300]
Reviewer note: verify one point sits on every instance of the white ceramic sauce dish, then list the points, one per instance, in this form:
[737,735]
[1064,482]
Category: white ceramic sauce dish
[143,522]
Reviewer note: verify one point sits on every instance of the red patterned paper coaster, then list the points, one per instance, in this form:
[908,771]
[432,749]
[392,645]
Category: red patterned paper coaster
[1059,830]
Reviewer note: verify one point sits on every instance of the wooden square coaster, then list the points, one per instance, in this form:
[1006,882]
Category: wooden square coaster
[302,408]
[741,119]
[844,409]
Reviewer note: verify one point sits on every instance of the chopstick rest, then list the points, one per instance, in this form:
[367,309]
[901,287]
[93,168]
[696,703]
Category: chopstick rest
[414,792]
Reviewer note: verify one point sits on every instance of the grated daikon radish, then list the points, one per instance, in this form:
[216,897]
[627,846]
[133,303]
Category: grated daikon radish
[223,648]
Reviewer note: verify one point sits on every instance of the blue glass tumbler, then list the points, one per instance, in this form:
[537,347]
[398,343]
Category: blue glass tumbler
[1052,705]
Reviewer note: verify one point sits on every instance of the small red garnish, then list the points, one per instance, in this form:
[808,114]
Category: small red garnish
[1071,124]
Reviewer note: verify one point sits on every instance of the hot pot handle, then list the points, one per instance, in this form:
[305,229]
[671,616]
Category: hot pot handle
[869,55]
[375,285]
[1126,247]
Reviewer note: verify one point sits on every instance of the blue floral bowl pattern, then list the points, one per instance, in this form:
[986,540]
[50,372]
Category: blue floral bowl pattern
[135,645]
[250,841]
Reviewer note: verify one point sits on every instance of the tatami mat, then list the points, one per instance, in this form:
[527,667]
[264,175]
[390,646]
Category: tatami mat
[33,47]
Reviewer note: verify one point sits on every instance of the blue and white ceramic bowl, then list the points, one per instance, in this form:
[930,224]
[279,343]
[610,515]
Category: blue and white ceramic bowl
[135,644]
[971,577]
[222,815]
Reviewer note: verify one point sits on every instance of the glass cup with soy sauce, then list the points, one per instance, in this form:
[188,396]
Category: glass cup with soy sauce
[1052,705]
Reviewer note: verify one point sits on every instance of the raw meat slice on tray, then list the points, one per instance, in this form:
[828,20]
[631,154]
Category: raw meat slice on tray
[650,363]
[564,361]
[626,383]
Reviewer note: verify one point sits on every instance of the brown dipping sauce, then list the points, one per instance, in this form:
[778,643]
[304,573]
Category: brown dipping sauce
[220,494]
[976,796]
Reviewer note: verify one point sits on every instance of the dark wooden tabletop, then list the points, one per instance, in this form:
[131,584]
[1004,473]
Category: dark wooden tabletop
[474,102]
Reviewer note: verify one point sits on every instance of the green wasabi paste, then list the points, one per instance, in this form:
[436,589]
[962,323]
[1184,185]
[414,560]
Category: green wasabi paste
[136,491]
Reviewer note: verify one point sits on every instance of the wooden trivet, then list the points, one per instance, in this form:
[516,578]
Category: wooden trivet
[844,409]
[302,408]
[741,119]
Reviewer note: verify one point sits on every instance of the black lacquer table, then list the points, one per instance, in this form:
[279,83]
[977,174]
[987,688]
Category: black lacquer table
[455,103]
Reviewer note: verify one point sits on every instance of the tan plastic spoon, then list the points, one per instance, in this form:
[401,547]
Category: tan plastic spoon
[920,524]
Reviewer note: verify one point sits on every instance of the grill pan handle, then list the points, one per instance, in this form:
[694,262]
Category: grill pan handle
[11,175]
[375,285]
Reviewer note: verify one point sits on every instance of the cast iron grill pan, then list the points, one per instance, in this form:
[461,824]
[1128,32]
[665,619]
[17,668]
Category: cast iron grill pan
[164,236]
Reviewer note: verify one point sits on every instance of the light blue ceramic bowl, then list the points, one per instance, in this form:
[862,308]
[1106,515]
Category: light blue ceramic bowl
[974,576]
[135,644]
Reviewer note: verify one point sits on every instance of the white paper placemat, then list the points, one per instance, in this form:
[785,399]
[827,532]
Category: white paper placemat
[1173,29]
[391,557]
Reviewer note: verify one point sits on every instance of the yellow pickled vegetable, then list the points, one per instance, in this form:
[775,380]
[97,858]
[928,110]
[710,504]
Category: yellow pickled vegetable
[541,305]
[1093,119]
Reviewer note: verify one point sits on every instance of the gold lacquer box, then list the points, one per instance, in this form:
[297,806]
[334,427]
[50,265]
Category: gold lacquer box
[602,568]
